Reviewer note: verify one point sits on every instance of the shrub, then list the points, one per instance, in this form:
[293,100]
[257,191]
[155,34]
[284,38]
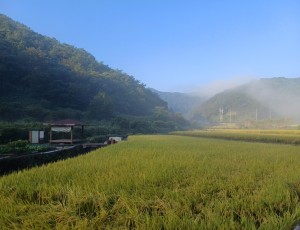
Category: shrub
[4,149]
[97,139]
[18,144]
[12,133]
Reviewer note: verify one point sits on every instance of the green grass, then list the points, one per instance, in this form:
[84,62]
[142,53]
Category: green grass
[159,182]
[267,136]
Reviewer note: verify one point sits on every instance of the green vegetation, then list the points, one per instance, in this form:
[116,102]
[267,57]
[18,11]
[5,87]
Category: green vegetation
[269,136]
[21,146]
[159,182]
[161,121]
[44,80]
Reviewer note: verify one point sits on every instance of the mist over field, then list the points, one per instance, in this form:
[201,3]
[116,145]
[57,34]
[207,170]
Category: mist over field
[257,100]
[282,96]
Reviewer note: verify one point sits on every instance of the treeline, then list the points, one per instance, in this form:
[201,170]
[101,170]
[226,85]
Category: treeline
[161,121]
[42,79]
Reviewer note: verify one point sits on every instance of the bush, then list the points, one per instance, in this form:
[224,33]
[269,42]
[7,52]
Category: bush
[18,144]
[12,133]
[38,148]
[97,139]
[5,149]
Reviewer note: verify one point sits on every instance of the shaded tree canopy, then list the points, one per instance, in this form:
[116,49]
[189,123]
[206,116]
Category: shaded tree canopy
[42,79]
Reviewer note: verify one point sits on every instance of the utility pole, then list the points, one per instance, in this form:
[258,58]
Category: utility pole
[221,114]
[230,116]
[256,114]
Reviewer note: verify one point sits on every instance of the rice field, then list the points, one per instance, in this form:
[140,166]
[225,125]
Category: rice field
[159,182]
[252,135]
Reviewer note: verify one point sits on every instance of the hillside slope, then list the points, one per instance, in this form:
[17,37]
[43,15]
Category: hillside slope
[42,79]
[269,98]
[181,102]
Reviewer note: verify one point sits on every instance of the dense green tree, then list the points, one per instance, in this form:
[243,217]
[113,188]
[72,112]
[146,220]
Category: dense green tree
[101,106]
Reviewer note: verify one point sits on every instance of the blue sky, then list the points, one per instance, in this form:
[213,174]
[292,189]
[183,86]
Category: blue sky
[175,45]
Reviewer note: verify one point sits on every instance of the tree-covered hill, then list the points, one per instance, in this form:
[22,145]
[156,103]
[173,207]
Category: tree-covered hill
[41,78]
[268,98]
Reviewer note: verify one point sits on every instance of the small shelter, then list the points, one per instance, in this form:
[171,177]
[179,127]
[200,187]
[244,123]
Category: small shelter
[66,128]
[36,137]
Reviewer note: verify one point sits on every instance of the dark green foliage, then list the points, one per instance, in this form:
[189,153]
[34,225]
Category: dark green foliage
[101,106]
[42,79]
[17,144]
[18,131]
[21,146]
[4,149]
[97,139]
[38,148]
[8,134]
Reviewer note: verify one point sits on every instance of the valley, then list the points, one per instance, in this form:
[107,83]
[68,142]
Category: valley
[228,160]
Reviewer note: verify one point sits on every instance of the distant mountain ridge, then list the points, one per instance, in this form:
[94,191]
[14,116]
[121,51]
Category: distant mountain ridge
[182,103]
[267,98]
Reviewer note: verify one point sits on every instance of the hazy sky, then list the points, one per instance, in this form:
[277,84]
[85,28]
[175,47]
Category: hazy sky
[175,45]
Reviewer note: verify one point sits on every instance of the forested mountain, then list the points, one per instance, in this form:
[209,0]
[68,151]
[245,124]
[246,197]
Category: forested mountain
[42,78]
[269,98]
[182,103]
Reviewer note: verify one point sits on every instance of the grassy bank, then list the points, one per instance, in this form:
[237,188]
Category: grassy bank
[155,182]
